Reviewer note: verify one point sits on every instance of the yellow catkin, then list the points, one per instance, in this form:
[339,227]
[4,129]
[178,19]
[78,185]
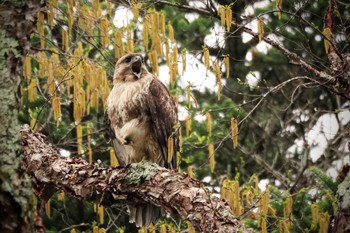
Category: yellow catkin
[94,99]
[56,106]
[73,230]
[183,60]
[79,103]
[79,130]
[109,8]
[162,23]
[97,8]
[151,228]
[278,6]
[228,17]
[104,32]
[118,44]
[264,205]
[188,94]
[331,199]
[260,29]
[226,62]
[315,215]
[163,228]
[158,46]
[27,67]
[60,196]
[155,22]
[80,50]
[145,33]
[113,158]
[190,227]
[34,124]
[89,145]
[48,208]
[90,156]
[32,90]
[153,57]
[208,122]
[263,225]
[70,15]
[284,226]
[206,57]
[217,71]
[142,230]
[105,93]
[327,34]
[190,171]
[95,229]
[288,207]
[174,58]
[101,214]
[43,63]
[234,132]
[324,222]
[188,125]
[51,80]
[102,230]
[65,40]
[180,139]
[170,148]
[40,25]
[130,42]
[53,5]
[167,51]
[171,32]
[221,12]
[211,157]
[236,199]
[135,9]
[172,62]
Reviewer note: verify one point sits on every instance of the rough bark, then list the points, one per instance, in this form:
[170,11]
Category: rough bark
[176,193]
[342,215]
[16,24]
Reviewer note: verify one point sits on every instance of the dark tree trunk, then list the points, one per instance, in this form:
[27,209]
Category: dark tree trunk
[16,24]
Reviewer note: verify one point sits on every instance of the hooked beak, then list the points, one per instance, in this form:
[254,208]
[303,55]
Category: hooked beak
[136,68]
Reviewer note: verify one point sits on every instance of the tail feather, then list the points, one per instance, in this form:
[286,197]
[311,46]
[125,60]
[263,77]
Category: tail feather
[144,215]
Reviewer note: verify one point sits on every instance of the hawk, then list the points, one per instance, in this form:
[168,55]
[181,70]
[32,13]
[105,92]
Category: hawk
[141,119]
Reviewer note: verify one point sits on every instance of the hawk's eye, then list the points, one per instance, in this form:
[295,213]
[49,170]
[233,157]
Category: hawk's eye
[127,60]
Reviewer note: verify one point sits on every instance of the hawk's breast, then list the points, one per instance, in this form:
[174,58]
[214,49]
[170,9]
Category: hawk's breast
[127,102]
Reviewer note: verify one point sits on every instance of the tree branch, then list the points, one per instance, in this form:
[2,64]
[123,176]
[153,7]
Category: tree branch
[176,193]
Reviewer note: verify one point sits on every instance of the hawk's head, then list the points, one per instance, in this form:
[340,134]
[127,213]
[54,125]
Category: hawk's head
[130,67]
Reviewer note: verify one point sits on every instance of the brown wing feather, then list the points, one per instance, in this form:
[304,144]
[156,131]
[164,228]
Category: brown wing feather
[116,144]
[164,118]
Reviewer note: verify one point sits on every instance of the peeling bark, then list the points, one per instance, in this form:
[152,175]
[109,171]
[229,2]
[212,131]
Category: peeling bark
[176,193]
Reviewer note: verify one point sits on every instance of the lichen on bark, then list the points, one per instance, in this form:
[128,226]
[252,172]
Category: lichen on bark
[15,186]
[140,172]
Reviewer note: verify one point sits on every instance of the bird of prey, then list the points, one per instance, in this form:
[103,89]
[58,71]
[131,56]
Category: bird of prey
[141,119]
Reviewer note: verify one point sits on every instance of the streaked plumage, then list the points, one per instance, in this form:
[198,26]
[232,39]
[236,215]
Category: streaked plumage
[140,117]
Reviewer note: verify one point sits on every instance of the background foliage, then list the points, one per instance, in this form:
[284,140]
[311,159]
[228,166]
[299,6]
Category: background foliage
[255,123]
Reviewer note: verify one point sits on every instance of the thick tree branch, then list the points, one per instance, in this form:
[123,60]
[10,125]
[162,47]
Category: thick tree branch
[176,193]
